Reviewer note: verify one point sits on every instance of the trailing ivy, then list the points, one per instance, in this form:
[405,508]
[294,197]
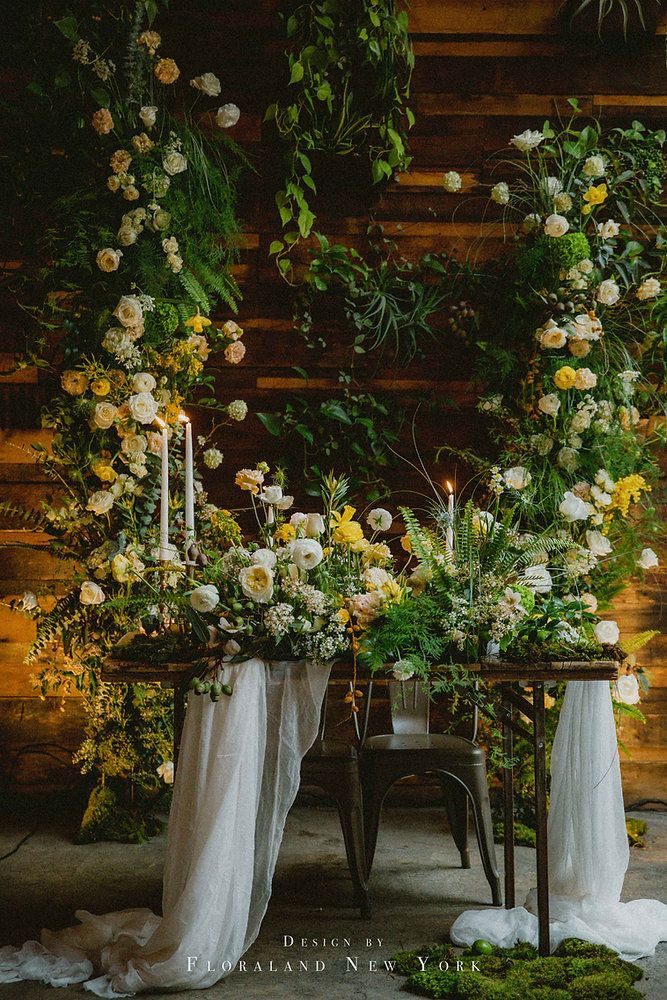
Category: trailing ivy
[350,65]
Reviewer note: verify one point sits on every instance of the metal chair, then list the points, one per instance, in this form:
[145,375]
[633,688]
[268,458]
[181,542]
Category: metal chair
[333,765]
[412,749]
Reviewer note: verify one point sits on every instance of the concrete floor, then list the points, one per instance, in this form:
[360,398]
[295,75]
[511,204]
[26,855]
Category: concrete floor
[417,891]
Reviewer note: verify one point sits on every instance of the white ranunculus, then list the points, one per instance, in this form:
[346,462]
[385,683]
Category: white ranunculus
[573,508]
[608,230]
[143,407]
[549,404]
[598,543]
[143,382]
[553,337]
[129,311]
[264,557]
[500,193]
[174,162]
[537,578]
[104,415]
[403,670]
[650,288]
[527,140]
[271,494]
[626,690]
[91,593]
[257,583]
[314,525]
[208,83]
[100,502]
[517,478]
[227,116]
[594,166]
[231,647]
[166,772]
[451,181]
[379,519]
[306,553]
[205,598]
[607,632]
[608,292]
[648,559]
[298,519]
[108,259]
[556,225]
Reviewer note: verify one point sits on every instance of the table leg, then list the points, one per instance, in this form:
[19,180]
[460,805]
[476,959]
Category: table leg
[180,696]
[541,819]
[508,800]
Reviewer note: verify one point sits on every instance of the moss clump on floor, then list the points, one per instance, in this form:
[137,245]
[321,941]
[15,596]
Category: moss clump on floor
[577,970]
[106,818]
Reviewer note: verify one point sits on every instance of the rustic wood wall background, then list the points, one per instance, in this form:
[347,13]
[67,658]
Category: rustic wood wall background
[484,71]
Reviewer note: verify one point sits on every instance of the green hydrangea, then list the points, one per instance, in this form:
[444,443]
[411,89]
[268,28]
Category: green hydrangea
[161,322]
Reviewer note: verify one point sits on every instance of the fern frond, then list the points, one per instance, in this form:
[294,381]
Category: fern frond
[33,518]
[194,290]
[67,610]
[638,641]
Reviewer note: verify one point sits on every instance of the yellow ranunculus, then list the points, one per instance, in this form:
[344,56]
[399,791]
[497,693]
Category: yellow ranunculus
[100,386]
[104,471]
[565,377]
[346,531]
[596,195]
[343,615]
[285,533]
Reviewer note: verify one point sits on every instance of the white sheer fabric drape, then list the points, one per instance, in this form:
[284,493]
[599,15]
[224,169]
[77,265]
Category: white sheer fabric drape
[588,845]
[237,778]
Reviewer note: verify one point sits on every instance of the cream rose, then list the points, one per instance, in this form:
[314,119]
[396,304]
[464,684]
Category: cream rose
[257,583]
[91,593]
[608,292]
[134,444]
[100,502]
[598,543]
[556,225]
[174,163]
[208,83]
[143,382]
[104,415]
[608,230]
[129,311]
[607,632]
[227,116]
[549,404]
[205,598]
[108,259]
[585,379]
[650,288]
[148,115]
[143,407]
[517,478]
[264,557]
[166,772]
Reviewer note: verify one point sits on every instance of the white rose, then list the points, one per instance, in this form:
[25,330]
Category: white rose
[537,578]
[170,245]
[594,166]
[403,670]
[91,593]
[143,382]
[127,236]
[379,519]
[108,259]
[607,633]
[573,508]
[257,583]
[129,311]
[148,115]
[608,230]
[517,478]
[174,162]
[549,404]
[166,772]
[208,83]
[104,415]
[143,407]
[598,543]
[649,289]
[648,559]
[100,502]
[306,553]
[451,181]
[205,598]
[556,225]
[227,116]
[500,193]
[527,140]
[264,557]
[133,444]
[608,292]
[626,690]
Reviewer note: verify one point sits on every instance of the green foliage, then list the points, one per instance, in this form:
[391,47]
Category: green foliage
[350,65]
[414,626]
[352,433]
[107,817]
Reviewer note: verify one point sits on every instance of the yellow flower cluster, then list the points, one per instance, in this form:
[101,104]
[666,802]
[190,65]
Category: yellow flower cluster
[596,195]
[626,491]
[182,358]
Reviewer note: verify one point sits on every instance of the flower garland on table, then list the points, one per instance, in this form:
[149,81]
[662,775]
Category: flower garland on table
[136,268]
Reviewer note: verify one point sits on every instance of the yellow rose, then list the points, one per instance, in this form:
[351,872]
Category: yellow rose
[100,386]
[151,39]
[104,471]
[565,377]
[74,383]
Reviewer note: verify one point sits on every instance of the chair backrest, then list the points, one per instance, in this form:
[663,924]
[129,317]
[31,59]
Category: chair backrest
[410,707]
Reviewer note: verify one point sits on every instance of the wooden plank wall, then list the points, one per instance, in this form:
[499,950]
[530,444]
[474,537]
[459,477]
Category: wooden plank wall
[485,69]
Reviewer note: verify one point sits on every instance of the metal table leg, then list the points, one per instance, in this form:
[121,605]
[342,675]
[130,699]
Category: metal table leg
[541,818]
[508,800]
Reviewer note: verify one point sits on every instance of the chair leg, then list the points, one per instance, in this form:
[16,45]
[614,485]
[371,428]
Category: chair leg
[456,803]
[476,783]
[348,800]
[375,787]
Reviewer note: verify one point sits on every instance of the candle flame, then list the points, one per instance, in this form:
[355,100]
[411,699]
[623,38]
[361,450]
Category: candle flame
[450,488]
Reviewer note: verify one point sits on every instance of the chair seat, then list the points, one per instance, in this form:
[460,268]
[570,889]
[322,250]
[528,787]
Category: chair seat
[331,749]
[455,746]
